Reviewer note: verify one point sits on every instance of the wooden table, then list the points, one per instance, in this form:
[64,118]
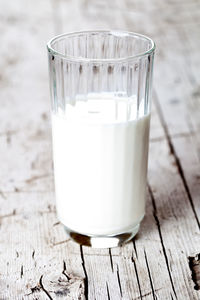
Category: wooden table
[36,259]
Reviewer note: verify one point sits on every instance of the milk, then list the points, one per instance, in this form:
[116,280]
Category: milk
[100,163]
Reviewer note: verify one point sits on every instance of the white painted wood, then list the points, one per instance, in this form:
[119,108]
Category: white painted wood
[36,259]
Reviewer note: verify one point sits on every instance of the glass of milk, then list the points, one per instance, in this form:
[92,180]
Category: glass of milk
[100,83]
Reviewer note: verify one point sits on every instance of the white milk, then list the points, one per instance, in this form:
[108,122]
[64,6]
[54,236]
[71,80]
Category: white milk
[100,165]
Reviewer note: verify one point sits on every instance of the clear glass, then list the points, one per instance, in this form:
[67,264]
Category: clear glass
[100,83]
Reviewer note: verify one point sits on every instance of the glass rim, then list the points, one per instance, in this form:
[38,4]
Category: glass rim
[101,60]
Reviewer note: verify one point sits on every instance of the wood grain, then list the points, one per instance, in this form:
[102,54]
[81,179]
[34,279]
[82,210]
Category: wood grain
[37,261]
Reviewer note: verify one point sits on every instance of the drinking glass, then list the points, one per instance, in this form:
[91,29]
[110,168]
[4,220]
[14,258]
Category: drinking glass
[100,84]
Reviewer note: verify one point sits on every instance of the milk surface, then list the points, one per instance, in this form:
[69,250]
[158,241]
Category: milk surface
[100,163]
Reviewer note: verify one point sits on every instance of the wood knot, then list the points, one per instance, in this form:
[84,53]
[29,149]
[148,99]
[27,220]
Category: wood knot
[110,69]
[194,264]
[95,69]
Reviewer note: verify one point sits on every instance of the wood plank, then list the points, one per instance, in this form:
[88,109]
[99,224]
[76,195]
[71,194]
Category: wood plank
[177,125]
[177,58]
[36,259]
[30,260]
[31,266]
[189,162]
[175,218]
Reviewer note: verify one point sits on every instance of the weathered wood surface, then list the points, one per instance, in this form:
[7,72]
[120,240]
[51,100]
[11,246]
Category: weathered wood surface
[36,260]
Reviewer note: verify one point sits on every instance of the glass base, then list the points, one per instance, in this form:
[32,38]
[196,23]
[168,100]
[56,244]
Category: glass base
[101,241]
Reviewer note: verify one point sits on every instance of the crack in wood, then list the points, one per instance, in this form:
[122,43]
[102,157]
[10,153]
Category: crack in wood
[64,271]
[194,264]
[119,281]
[61,242]
[178,164]
[111,261]
[140,297]
[134,245]
[149,273]
[57,223]
[47,211]
[33,178]
[137,277]
[85,272]
[147,294]
[161,238]
[9,215]
[35,289]
[44,290]
[22,271]
[107,289]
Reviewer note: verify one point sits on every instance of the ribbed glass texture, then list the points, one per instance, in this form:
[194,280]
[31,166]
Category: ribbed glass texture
[100,86]
[118,64]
